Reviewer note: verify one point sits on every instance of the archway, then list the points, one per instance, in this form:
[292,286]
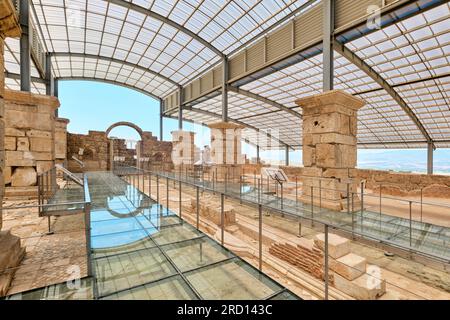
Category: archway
[118,148]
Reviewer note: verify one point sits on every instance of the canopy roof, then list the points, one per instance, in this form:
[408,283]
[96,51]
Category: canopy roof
[158,46]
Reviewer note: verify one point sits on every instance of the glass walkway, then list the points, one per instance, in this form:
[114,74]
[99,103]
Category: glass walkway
[141,250]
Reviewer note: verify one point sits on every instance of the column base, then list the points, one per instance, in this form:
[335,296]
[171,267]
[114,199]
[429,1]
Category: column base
[11,254]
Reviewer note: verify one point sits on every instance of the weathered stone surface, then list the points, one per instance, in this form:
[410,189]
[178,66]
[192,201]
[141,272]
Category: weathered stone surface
[350,266]
[17,159]
[366,287]
[10,143]
[43,166]
[7,175]
[39,134]
[25,120]
[10,257]
[23,177]
[337,246]
[13,132]
[38,156]
[41,144]
[23,144]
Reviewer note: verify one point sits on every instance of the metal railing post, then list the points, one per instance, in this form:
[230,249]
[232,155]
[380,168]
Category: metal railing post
[258,190]
[296,190]
[312,206]
[222,219]
[282,196]
[157,191]
[260,235]
[179,197]
[421,204]
[410,223]
[240,189]
[320,194]
[198,206]
[167,194]
[326,262]
[150,184]
[87,215]
[362,205]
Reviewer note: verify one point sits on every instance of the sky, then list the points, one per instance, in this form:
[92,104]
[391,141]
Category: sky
[94,105]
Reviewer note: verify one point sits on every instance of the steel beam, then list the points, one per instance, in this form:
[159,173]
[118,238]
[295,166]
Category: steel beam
[56,87]
[258,159]
[225,90]
[328,56]
[212,114]
[110,82]
[154,15]
[361,64]
[258,97]
[99,57]
[25,54]
[430,162]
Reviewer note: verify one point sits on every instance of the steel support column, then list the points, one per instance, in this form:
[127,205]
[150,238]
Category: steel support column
[258,159]
[25,54]
[328,56]
[161,128]
[56,92]
[225,89]
[49,86]
[180,108]
[287,156]
[430,158]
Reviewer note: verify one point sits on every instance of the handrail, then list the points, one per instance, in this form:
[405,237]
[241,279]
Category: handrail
[69,174]
[283,212]
[78,161]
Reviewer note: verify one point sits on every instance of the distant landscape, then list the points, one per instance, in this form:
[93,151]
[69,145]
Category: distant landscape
[408,160]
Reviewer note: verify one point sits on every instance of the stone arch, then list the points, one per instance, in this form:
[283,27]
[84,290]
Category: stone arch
[126,124]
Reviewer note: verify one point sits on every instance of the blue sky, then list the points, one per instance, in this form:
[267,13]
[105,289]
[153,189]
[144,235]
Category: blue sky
[95,106]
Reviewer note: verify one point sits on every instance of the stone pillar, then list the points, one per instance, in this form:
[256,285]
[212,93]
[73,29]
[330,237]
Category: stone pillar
[226,151]
[11,252]
[61,140]
[329,147]
[183,152]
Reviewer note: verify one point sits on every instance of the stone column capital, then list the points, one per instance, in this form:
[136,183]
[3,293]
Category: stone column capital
[334,98]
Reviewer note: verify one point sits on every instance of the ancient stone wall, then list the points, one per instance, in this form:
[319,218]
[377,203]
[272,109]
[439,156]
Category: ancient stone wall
[393,183]
[91,149]
[29,136]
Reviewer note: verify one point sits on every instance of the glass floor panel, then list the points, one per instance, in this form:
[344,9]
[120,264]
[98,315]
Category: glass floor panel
[173,288]
[193,254]
[141,250]
[233,279]
[128,270]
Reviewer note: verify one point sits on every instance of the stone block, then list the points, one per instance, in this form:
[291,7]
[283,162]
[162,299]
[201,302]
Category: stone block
[10,143]
[309,156]
[23,144]
[335,156]
[27,119]
[327,123]
[337,246]
[39,134]
[7,175]
[13,132]
[43,166]
[23,177]
[350,266]
[38,156]
[41,144]
[334,138]
[16,159]
[366,287]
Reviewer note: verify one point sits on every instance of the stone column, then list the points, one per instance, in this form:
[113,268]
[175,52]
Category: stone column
[11,253]
[226,151]
[183,152]
[329,147]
